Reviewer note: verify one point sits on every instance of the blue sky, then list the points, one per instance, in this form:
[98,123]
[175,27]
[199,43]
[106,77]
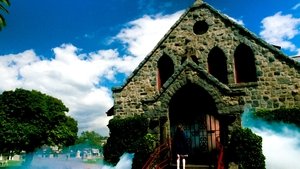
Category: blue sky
[89,25]
[77,50]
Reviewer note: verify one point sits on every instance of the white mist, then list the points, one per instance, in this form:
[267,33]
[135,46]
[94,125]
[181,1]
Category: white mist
[124,163]
[281,142]
[75,163]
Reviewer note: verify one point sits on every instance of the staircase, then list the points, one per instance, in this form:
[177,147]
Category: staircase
[160,159]
[192,166]
[156,161]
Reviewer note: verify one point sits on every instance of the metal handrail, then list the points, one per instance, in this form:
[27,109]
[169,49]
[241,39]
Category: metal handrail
[156,155]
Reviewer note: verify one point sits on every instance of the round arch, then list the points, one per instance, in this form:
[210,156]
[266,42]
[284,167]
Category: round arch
[189,101]
[194,108]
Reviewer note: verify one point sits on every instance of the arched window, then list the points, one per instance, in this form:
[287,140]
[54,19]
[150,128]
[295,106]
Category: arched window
[165,70]
[217,64]
[244,63]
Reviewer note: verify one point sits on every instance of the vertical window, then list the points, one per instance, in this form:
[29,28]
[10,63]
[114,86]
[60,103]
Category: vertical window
[244,62]
[217,64]
[165,70]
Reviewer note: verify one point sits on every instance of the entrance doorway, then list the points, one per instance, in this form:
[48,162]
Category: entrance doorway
[195,110]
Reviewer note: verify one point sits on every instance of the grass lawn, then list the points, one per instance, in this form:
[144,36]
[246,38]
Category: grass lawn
[12,163]
[94,160]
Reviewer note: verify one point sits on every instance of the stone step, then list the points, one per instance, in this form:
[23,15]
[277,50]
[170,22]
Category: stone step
[193,166]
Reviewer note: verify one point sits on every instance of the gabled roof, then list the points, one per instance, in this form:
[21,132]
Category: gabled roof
[242,30]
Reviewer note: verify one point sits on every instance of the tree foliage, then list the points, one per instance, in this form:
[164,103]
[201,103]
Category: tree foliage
[129,135]
[3,5]
[245,149]
[286,115]
[30,119]
[91,138]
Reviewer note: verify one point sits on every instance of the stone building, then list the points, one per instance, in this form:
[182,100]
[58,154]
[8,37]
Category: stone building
[202,74]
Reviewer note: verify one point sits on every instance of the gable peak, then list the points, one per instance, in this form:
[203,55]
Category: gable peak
[198,2]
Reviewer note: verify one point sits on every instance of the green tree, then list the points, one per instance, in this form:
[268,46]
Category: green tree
[3,5]
[129,135]
[245,149]
[31,119]
[91,138]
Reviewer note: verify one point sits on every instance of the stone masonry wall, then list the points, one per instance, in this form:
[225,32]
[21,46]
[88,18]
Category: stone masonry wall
[278,82]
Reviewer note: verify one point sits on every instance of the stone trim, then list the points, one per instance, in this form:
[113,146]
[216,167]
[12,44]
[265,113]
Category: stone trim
[203,73]
[192,73]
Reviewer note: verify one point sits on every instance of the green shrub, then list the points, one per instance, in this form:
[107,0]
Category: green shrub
[129,135]
[245,149]
[286,115]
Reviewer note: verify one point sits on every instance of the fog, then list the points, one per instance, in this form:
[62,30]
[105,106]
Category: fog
[281,142]
[77,163]
[281,147]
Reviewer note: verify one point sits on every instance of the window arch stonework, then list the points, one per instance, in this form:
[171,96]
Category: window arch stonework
[244,64]
[165,69]
[217,64]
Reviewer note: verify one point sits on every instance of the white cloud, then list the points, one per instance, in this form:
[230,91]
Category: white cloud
[69,77]
[76,77]
[280,29]
[296,6]
[141,35]
[10,66]
[239,21]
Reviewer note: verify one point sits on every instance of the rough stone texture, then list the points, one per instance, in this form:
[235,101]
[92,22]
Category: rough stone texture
[278,77]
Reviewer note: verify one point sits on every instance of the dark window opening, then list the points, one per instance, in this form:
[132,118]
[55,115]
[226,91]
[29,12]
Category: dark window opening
[200,27]
[195,59]
[217,64]
[165,70]
[183,59]
[244,62]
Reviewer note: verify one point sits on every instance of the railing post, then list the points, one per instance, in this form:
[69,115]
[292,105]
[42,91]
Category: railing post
[220,154]
[178,161]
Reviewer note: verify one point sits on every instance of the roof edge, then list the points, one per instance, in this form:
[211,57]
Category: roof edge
[243,31]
